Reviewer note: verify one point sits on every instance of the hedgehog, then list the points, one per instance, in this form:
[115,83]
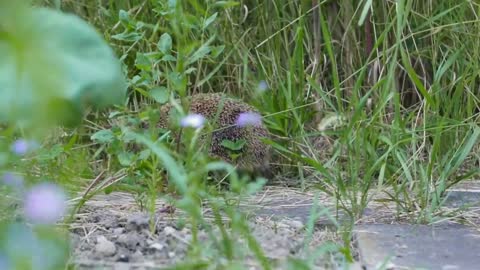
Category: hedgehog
[254,155]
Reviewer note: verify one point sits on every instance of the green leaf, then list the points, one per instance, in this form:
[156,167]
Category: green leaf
[127,137]
[176,173]
[256,186]
[416,80]
[103,136]
[165,43]
[160,94]
[126,159]
[142,62]
[128,36]
[234,146]
[200,52]
[234,156]
[217,50]
[50,153]
[364,13]
[226,4]
[145,154]
[190,70]
[112,114]
[124,17]
[460,154]
[53,58]
[4,158]
[209,20]
[168,57]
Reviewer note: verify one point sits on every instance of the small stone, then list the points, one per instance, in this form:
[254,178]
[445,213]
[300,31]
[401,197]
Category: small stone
[171,254]
[122,239]
[109,222]
[295,224]
[118,231]
[131,240]
[105,247]
[121,266]
[75,239]
[156,246]
[138,222]
[169,230]
[355,266]
[137,256]
[188,238]
[450,267]
[123,258]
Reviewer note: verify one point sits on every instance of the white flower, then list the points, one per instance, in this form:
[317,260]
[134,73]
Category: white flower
[193,120]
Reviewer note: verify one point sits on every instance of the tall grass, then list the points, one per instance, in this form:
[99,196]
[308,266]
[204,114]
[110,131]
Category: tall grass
[401,76]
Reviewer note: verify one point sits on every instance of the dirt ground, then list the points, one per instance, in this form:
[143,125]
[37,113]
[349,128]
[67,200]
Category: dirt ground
[110,232]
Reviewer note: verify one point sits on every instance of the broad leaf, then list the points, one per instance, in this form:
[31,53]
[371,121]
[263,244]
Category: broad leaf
[209,20]
[165,43]
[103,136]
[233,145]
[160,94]
[126,158]
[53,66]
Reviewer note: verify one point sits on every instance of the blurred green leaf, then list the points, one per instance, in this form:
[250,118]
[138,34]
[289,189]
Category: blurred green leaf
[160,94]
[209,20]
[233,145]
[103,136]
[53,64]
[226,4]
[145,154]
[142,62]
[124,17]
[176,172]
[128,36]
[165,43]
[126,158]
[217,50]
[201,52]
[255,186]
[363,15]
[168,57]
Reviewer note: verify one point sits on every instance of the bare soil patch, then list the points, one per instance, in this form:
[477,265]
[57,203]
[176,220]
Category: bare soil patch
[111,232]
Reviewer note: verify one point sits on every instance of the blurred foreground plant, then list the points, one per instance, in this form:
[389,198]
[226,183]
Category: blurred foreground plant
[53,67]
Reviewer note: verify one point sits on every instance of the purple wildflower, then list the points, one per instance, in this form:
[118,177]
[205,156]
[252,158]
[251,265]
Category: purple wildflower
[193,120]
[262,86]
[22,146]
[45,203]
[249,119]
[12,179]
